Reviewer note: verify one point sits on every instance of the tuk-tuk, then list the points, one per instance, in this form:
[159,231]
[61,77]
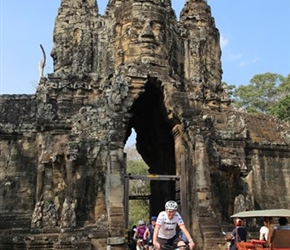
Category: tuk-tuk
[280,239]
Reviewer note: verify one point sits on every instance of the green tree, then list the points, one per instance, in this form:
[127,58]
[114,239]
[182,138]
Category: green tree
[260,94]
[138,209]
[281,109]
[284,87]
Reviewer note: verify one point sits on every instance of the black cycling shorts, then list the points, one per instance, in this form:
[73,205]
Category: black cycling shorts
[169,242]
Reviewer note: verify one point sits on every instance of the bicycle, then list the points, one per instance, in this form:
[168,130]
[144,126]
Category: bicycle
[140,246]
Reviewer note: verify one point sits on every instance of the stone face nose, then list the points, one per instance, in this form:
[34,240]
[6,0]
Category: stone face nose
[147,32]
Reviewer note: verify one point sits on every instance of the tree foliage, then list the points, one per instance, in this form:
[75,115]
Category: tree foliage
[138,209]
[281,109]
[260,94]
[284,87]
[267,93]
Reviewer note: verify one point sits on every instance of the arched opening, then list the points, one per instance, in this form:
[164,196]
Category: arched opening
[154,141]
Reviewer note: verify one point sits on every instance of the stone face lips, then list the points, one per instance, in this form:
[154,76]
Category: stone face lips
[62,161]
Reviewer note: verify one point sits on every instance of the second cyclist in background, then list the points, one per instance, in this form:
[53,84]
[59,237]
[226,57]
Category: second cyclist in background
[139,235]
[149,233]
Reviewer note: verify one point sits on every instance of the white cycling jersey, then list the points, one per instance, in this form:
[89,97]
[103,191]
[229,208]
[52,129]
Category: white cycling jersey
[168,227]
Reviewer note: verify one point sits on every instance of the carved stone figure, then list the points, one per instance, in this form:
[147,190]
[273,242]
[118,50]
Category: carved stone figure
[68,216]
[44,161]
[142,38]
[36,220]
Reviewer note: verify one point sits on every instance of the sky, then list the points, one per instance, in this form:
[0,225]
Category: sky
[255,39]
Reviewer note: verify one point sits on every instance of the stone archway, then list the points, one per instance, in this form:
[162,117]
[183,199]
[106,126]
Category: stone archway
[154,141]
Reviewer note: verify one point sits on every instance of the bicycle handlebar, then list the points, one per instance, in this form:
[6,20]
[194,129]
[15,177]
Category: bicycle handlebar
[167,247]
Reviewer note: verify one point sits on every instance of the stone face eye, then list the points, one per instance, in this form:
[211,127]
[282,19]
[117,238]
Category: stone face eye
[127,31]
[137,27]
[155,26]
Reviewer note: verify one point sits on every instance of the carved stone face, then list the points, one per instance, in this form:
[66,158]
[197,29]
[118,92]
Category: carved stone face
[142,34]
[62,54]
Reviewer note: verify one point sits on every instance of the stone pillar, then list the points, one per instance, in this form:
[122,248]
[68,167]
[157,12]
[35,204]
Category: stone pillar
[115,194]
[202,176]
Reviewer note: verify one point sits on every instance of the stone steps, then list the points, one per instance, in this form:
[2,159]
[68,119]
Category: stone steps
[8,221]
[213,238]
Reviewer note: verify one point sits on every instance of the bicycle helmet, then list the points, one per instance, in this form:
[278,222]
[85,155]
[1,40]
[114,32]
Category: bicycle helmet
[141,222]
[171,205]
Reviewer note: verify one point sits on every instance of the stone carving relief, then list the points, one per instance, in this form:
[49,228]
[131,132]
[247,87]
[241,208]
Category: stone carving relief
[56,175]
[142,38]
[243,203]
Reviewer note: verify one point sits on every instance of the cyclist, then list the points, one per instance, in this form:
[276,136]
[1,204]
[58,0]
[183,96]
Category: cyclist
[132,242]
[165,228]
[149,233]
[139,234]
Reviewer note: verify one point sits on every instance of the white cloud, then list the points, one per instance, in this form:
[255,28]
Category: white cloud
[234,57]
[223,41]
[249,62]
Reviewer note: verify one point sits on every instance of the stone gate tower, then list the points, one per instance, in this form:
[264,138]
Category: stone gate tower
[62,161]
